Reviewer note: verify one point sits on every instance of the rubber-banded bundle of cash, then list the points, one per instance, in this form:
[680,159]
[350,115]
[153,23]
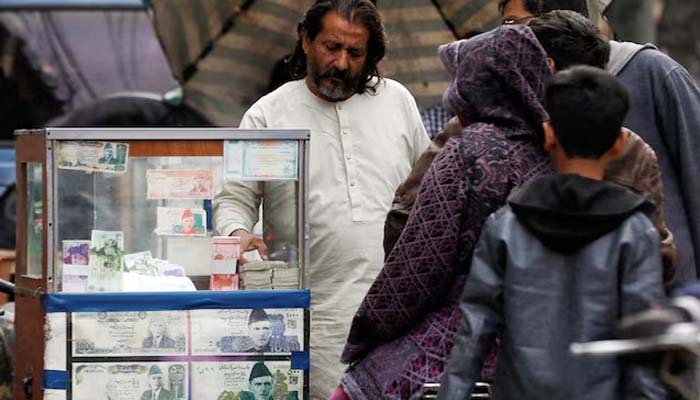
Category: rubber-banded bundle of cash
[258,275]
[285,276]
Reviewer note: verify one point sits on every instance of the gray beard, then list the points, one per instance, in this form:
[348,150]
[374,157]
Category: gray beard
[335,94]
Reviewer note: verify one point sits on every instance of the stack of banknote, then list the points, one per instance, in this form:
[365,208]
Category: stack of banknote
[285,277]
[258,275]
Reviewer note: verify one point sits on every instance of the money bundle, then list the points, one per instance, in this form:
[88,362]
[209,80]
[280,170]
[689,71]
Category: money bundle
[285,277]
[258,275]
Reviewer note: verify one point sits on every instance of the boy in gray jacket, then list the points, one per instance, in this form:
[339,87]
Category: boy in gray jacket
[565,259]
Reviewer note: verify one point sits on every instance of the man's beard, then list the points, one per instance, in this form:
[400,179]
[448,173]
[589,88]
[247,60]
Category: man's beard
[338,91]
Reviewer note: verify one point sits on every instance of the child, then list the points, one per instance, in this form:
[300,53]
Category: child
[565,259]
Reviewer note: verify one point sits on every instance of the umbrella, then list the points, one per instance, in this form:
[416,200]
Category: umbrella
[224,51]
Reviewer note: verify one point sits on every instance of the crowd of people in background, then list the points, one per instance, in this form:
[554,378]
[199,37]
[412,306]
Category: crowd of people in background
[554,199]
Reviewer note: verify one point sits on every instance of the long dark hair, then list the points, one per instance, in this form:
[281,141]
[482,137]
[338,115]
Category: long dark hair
[363,12]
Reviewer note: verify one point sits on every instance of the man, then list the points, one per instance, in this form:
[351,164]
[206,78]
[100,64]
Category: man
[158,339]
[259,331]
[366,133]
[664,101]
[155,382]
[260,383]
[108,155]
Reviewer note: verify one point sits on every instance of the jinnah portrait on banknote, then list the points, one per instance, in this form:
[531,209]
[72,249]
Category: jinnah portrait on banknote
[156,391]
[158,338]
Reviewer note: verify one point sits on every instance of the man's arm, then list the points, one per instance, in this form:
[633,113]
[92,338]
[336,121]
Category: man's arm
[641,287]
[482,318]
[680,121]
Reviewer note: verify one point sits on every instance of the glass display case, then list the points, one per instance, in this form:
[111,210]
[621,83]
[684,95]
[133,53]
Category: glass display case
[124,249]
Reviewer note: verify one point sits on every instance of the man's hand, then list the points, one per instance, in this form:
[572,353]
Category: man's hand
[250,242]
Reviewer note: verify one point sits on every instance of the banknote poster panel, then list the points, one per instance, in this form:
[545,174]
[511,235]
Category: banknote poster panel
[171,221]
[132,333]
[92,156]
[129,381]
[106,261]
[261,159]
[217,332]
[246,380]
[165,184]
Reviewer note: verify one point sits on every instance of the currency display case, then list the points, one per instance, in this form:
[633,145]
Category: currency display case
[127,285]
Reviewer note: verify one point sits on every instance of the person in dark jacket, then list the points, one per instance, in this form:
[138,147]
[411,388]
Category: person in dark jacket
[565,259]
[404,329]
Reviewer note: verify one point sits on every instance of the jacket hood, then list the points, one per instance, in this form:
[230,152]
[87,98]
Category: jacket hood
[566,212]
[622,52]
[497,77]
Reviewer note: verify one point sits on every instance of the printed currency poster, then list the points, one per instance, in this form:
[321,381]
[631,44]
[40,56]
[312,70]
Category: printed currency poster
[90,156]
[246,380]
[262,160]
[110,334]
[129,381]
[247,331]
[179,184]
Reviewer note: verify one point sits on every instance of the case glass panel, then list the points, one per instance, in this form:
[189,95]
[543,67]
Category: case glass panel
[115,215]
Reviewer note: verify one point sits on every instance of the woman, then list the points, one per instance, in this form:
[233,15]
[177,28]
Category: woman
[403,332]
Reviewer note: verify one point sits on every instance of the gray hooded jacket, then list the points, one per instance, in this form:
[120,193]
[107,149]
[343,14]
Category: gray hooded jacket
[562,263]
[665,112]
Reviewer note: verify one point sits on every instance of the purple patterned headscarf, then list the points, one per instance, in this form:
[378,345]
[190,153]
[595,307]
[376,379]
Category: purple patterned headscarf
[497,76]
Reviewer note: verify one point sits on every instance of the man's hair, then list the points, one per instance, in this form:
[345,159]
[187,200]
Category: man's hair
[580,6]
[570,39]
[532,6]
[586,108]
[362,12]
[537,7]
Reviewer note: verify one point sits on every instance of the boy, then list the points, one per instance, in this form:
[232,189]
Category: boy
[565,259]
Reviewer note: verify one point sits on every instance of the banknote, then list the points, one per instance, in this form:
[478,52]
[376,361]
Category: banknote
[141,263]
[76,256]
[261,159]
[225,253]
[181,221]
[179,184]
[129,333]
[276,330]
[129,381]
[234,380]
[93,156]
[106,266]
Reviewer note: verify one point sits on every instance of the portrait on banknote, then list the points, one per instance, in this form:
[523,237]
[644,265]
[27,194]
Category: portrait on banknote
[105,261]
[246,380]
[247,331]
[93,156]
[163,184]
[129,381]
[171,221]
[129,333]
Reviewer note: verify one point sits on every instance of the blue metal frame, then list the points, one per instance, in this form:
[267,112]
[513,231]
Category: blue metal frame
[160,301]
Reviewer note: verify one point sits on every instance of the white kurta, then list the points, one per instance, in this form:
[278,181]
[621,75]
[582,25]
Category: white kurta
[361,149]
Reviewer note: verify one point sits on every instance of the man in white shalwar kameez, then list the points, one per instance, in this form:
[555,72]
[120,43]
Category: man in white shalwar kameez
[366,134]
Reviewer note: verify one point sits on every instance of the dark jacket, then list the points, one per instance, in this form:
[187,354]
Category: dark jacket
[664,104]
[562,263]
